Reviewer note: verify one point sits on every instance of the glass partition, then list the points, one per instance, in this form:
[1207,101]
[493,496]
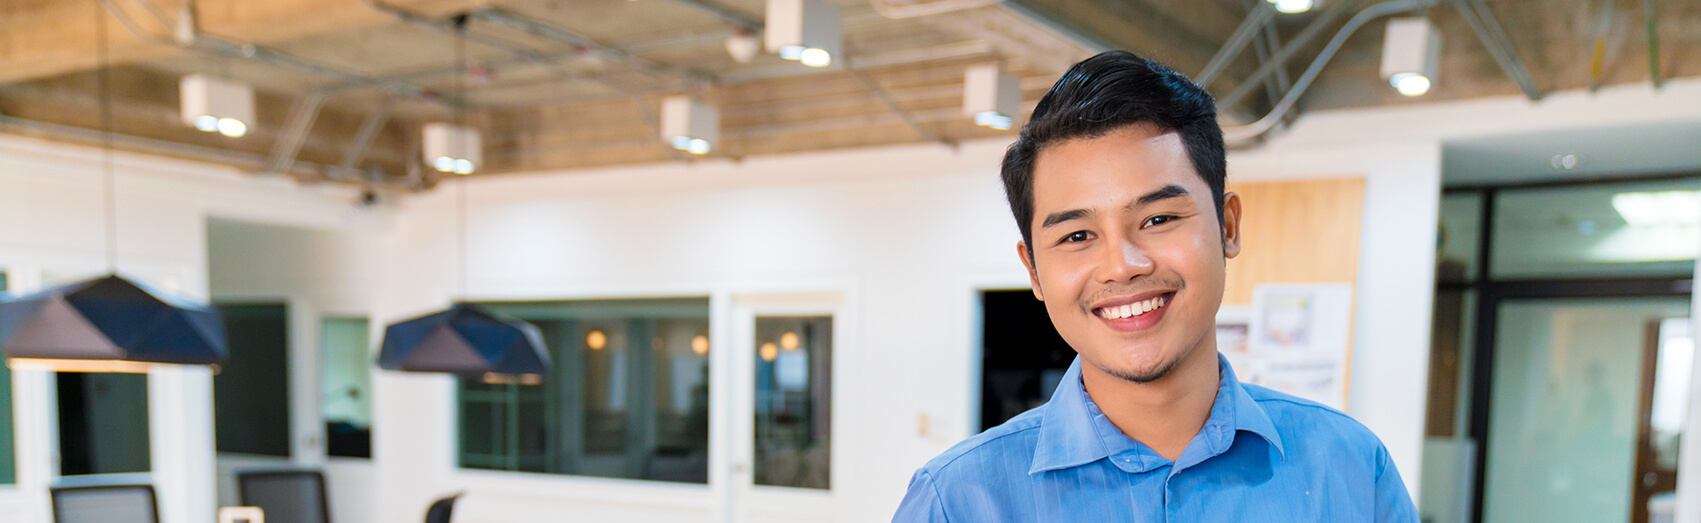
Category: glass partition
[627,395]
[8,452]
[1637,229]
[346,390]
[794,400]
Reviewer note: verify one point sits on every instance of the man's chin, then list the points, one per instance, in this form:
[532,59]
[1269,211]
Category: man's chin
[1141,373]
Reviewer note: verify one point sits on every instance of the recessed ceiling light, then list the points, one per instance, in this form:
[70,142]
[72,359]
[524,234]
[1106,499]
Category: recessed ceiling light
[1659,209]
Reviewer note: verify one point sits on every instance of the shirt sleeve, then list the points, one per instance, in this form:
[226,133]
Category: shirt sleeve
[922,504]
[1393,502]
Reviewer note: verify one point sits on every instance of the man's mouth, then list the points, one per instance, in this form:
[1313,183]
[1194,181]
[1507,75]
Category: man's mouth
[1131,308]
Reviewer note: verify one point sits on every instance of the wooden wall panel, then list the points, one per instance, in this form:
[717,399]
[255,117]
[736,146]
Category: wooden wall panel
[1298,231]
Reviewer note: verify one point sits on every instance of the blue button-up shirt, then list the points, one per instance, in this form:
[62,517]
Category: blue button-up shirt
[1261,456]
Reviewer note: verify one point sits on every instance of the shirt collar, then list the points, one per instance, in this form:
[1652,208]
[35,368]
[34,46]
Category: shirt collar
[1074,432]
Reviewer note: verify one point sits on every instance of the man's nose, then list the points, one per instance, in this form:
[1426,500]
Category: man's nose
[1124,260]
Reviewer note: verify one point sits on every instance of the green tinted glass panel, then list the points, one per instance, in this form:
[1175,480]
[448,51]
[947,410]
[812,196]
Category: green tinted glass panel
[345,400]
[626,397]
[8,453]
[1636,229]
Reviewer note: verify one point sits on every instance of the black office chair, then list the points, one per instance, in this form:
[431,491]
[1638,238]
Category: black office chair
[105,504]
[440,509]
[286,496]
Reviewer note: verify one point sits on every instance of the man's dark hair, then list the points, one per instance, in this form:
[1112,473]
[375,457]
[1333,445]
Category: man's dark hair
[1106,93]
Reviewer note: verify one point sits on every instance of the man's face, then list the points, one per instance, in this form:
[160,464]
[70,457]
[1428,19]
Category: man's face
[1128,252]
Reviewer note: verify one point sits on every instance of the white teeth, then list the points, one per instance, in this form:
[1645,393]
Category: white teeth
[1132,309]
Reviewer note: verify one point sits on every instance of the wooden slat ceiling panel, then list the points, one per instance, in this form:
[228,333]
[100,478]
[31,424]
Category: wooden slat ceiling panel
[579,109]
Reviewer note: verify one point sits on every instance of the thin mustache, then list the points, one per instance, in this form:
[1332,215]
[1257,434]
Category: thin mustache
[1128,290]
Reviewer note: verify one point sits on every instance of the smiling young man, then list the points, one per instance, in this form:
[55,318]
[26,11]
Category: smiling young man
[1117,185]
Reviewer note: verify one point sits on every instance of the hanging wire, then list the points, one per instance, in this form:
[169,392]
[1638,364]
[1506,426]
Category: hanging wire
[458,147]
[104,84]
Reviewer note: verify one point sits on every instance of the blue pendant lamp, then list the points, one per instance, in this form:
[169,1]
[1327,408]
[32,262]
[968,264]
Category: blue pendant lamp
[466,340]
[108,324]
[469,341]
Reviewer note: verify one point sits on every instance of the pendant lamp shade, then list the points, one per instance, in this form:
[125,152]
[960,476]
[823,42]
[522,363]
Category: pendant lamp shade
[111,318]
[467,340]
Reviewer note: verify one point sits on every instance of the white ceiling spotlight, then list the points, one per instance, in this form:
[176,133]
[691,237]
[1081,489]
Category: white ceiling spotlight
[804,30]
[453,149]
[216,105]
[689,125]
[991,96]
[1411,54]
[1293,6]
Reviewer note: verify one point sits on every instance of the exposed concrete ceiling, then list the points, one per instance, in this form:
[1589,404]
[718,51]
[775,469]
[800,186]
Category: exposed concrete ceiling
[560,84]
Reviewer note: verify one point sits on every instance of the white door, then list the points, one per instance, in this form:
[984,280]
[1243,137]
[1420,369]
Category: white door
[785,349]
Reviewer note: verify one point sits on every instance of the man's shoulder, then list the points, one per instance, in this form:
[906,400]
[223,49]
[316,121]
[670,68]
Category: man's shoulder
[1008,445]
[1297,417]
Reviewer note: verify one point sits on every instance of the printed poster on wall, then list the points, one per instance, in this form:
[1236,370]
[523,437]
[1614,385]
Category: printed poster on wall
[1293,339]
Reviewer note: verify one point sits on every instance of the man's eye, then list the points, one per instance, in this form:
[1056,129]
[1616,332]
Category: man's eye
[1159,220]
[1077,237]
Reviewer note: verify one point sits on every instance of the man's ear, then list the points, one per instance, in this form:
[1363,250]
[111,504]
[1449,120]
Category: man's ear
[1028,263]
[1231,225]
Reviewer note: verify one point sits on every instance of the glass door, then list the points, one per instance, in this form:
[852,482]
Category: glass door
[783,424]
[1588,400]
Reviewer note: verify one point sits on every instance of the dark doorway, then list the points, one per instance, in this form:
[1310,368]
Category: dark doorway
[251,392]
[103,423]
[1022,357]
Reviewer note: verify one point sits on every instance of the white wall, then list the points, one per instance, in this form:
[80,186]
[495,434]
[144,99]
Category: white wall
[52,229]
[318,272]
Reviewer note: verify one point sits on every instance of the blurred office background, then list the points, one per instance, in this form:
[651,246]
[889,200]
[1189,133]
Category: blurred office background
[769,258]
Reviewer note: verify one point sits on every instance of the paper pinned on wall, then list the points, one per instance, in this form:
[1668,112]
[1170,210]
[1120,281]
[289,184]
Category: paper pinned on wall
[1293,339]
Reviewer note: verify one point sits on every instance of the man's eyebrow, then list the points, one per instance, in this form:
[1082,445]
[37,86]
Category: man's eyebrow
[1060,217]
[1167,192]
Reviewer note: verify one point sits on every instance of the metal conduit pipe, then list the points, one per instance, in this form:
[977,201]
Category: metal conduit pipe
[505,18]
[1250,27]
[891,9]
[1280,60]
[194,41]
[1481,20]
[446,27]
[728,14]
[168,148]
[1653,44]
[1263,125]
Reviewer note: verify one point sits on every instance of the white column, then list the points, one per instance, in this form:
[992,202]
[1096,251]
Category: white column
[1689,457]
[180,417]
[307,425]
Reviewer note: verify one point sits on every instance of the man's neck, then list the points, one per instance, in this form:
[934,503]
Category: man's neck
[1164,414]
